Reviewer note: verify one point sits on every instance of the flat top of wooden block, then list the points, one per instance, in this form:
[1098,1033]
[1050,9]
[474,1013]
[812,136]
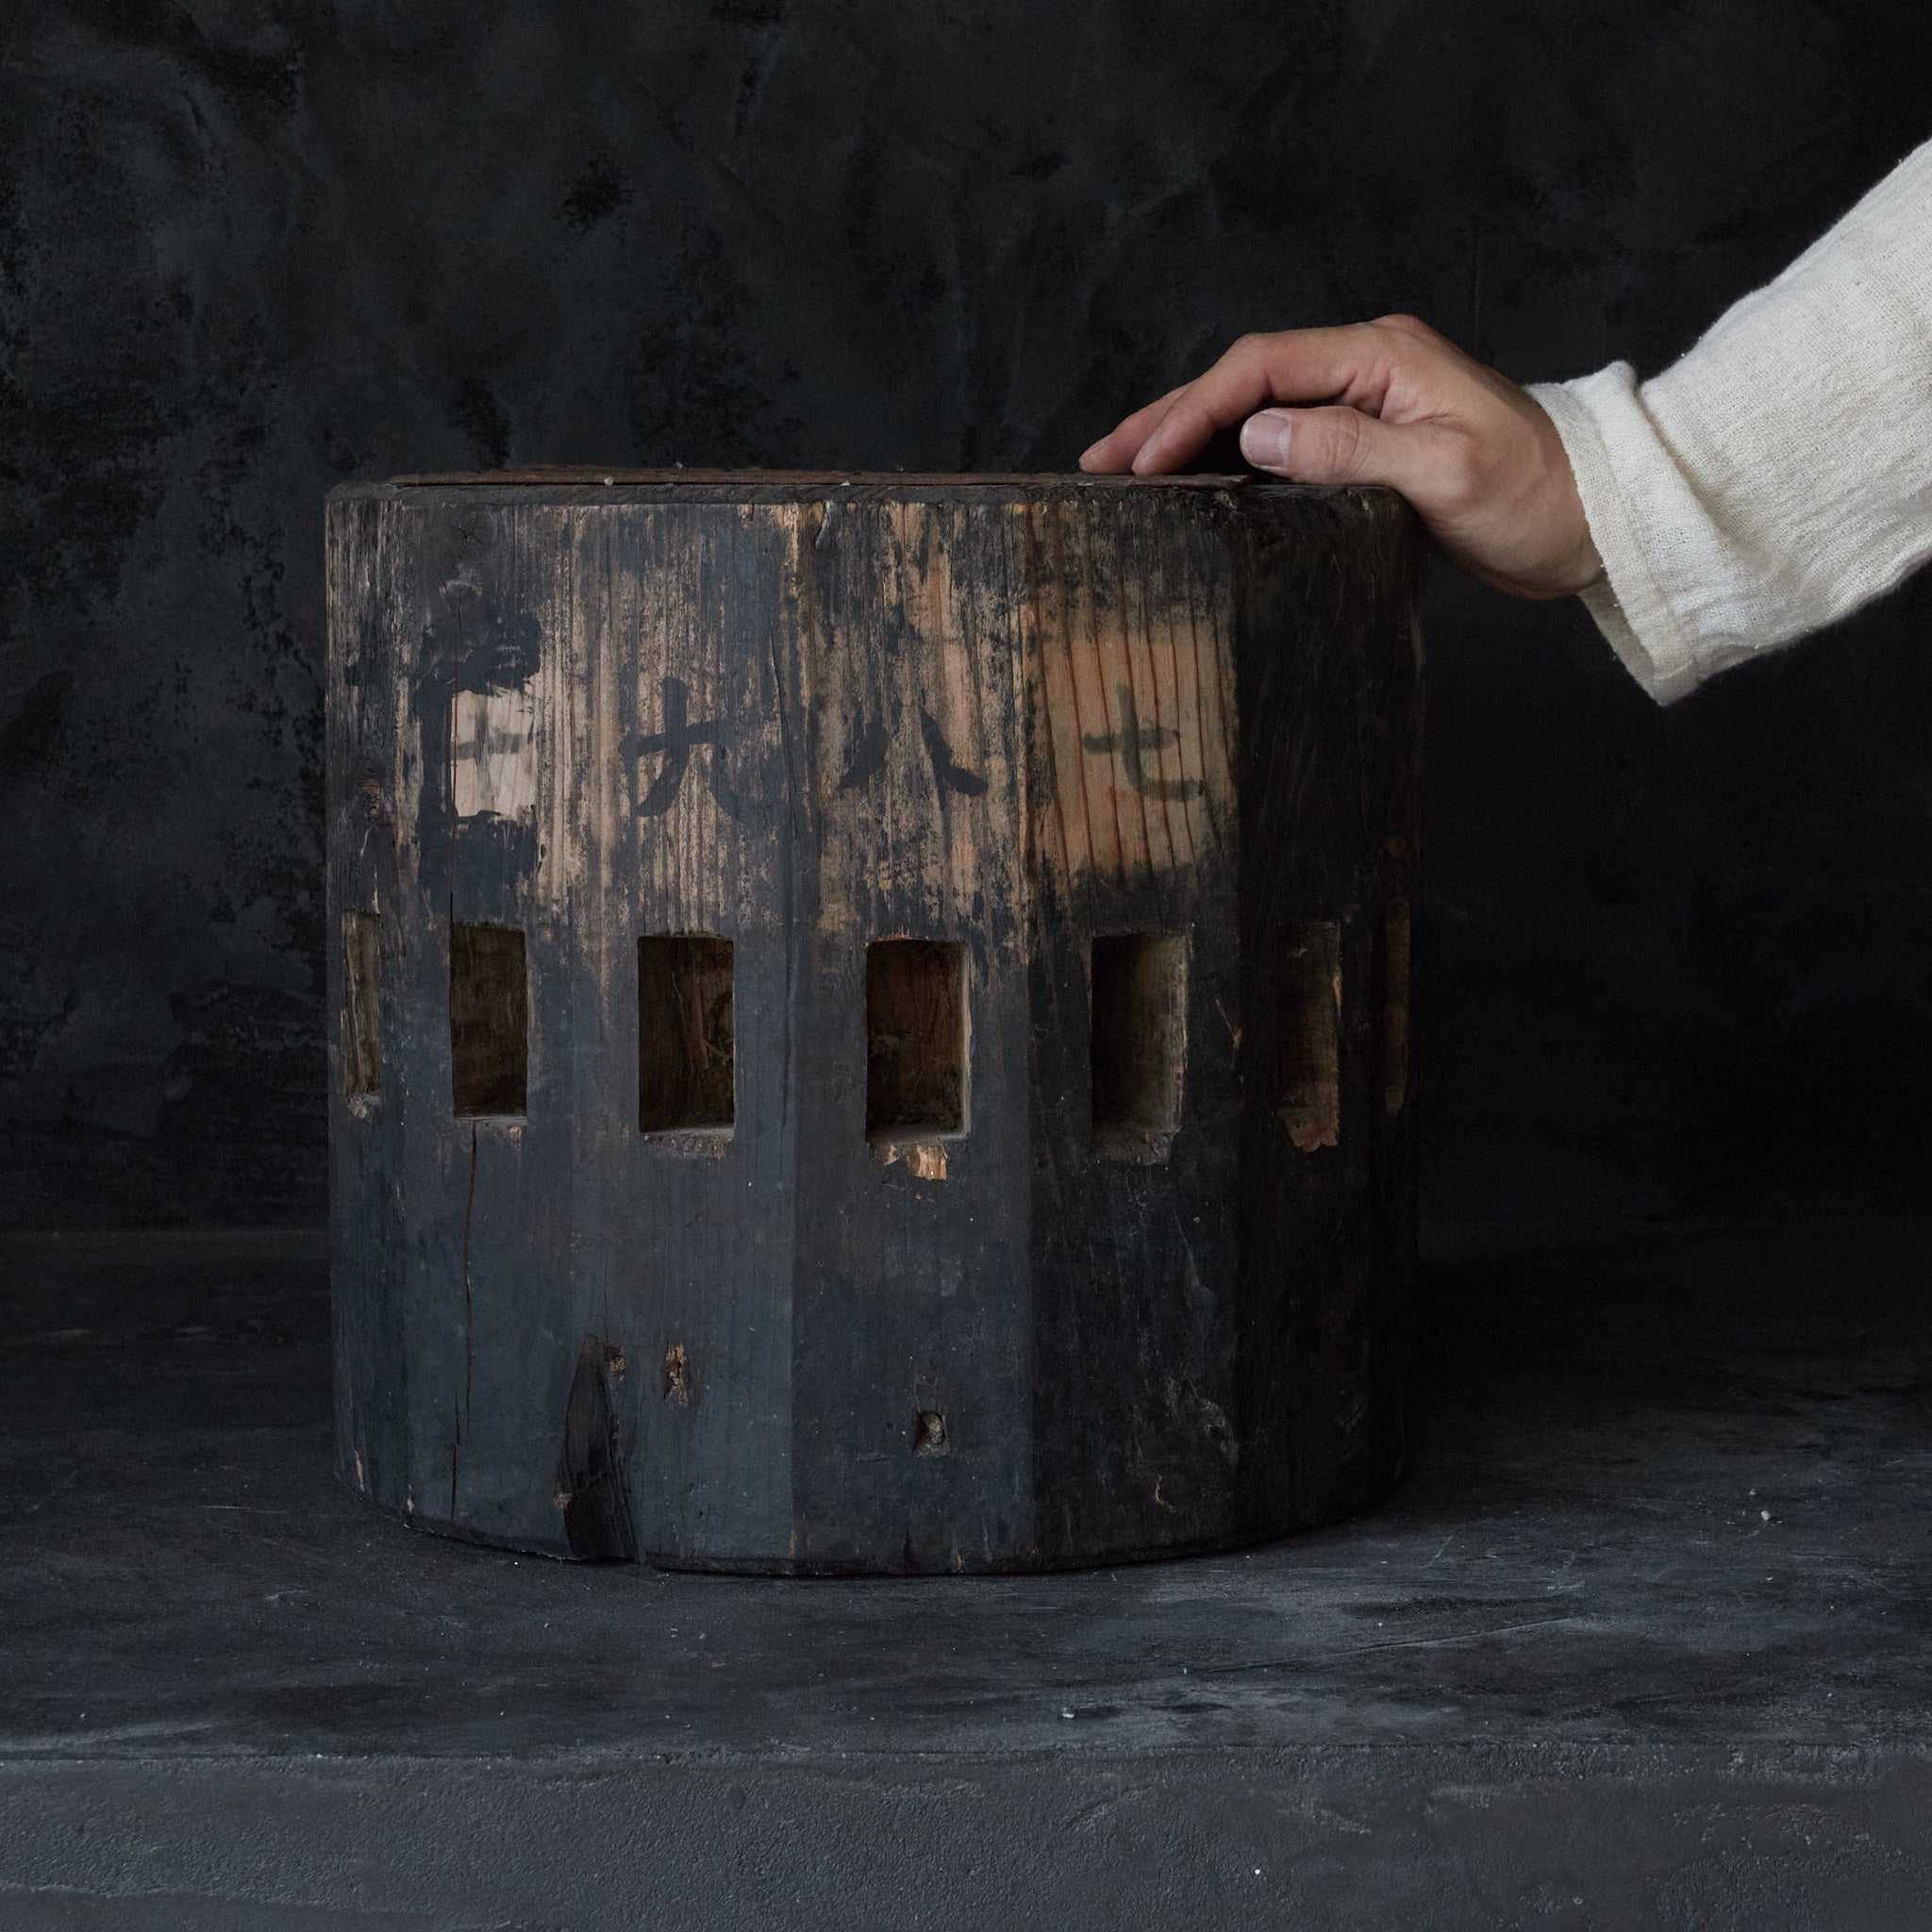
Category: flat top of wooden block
[808,482]
[574,486]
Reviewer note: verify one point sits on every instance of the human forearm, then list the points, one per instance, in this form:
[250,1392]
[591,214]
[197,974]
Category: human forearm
[1780,474]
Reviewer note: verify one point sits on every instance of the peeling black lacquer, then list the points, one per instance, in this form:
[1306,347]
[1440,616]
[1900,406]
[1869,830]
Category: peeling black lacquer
[935,1296]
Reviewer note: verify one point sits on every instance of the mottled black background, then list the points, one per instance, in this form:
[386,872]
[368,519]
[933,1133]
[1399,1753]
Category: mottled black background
[1675,960]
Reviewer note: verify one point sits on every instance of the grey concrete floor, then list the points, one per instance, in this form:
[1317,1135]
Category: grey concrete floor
[1641,1640]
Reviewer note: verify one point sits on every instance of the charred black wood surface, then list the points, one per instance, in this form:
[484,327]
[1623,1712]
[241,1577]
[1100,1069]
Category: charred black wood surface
[888,1047]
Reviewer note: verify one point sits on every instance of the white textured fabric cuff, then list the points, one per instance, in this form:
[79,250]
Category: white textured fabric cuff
[1593,415]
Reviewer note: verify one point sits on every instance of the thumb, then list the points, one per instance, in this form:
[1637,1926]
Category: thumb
[1341,445]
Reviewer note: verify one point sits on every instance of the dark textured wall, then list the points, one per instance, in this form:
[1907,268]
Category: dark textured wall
[1674,961]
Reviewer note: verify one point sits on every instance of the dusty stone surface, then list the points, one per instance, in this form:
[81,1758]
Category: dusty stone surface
[1641,1640]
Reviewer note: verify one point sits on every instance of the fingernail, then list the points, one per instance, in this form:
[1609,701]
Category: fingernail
[1265,439]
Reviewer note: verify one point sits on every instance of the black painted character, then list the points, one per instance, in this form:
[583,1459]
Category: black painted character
[674,742]
[1131,740]
[873,742]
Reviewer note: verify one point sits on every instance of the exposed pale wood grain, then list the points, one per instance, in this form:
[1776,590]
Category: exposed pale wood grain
[495,754]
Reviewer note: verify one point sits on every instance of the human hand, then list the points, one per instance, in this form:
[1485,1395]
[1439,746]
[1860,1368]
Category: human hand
[1394,403]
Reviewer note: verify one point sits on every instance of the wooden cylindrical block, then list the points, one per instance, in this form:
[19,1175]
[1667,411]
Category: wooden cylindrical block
[870,1014]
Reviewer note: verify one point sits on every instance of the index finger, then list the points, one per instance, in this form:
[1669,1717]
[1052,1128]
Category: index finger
[1116,450]
[1304,365]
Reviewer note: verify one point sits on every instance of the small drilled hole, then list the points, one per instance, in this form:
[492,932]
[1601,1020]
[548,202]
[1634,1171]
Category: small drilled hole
[685,1051]
[929,1433]
[1139,1002]
[489,1007]
[915,1038]
[361,1004]
[1309,1020]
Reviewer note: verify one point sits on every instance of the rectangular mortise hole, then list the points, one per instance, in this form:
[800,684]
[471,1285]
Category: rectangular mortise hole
[489,1019]
[1139,1004]
[361,1004]
[1308,1073]
[915,1038]
[684,1052]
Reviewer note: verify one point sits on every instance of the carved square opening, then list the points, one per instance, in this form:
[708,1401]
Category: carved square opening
[1138,1042]
[489,1019]
[686,1055]
[915,1039]
[361,1004]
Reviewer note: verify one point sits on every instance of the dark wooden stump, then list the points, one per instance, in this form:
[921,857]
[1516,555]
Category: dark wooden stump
[870,1015]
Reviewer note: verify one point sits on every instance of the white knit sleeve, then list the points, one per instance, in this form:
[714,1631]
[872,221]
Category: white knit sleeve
[1780,474]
